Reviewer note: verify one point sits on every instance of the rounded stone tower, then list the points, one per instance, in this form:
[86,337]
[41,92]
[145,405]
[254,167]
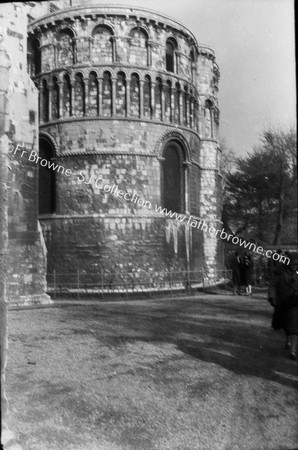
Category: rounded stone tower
[129,125]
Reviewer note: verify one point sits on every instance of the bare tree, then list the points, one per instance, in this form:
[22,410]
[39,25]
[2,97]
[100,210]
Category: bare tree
[261,192]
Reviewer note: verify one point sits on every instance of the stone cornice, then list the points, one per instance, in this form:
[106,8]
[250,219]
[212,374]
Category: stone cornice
[94,12]
[171,126]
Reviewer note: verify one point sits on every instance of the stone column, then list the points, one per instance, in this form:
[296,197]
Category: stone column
[212,122]
[60,103]
[100,82]
[149,53]
[71,98]
[41,103]
[208,203]
[153,99]
[191,121]
[186,94]
[181,112]
[172,100]
[86,96]
[50,89]
[142,82]
[114,81]
[162,102]
[127,112]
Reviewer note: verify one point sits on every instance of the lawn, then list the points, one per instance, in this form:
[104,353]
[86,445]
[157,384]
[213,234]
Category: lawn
[201,373]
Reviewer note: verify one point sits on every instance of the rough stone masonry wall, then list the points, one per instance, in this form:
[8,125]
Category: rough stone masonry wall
[26,252]
[132,120]
[92,230]
[121,152]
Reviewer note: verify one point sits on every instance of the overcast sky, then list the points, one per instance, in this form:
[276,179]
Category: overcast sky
[254,45]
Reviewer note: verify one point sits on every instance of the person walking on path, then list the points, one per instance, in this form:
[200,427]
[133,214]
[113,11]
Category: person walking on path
[235,265]
[286,307]
[247,266]
[274,271]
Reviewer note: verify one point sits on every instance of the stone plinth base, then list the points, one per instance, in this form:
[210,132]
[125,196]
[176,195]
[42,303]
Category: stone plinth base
[30,300]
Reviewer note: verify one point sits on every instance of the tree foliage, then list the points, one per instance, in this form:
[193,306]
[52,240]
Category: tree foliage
[261,191]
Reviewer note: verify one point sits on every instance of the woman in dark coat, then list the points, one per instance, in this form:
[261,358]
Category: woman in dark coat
[286,309]
[275,269]
[235,265]
[247,267]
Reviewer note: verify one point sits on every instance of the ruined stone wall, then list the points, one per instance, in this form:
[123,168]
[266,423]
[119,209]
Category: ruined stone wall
[26,259]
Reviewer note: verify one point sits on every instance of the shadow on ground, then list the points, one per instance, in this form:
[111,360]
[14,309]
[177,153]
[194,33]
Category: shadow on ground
[237,336]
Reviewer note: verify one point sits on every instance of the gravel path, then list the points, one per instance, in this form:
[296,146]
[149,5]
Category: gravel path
[191,374]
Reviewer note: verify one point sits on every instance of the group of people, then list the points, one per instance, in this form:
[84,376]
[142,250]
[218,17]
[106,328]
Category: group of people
[283,296]
[242,271]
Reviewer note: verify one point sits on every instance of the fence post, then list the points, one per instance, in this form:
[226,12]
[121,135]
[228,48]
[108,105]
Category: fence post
[171,283]
[188,281]
[203,279]
[78,283]
[54,277]
[126,289]
[102,283]
[149,284]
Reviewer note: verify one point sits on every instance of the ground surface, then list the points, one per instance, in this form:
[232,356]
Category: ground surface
[205,373]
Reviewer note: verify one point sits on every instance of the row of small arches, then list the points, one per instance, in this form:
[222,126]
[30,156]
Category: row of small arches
[121,97]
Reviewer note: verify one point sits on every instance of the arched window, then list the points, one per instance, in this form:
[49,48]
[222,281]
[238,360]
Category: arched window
[134,95]
[158,98]
[79,96]
[138,54]
[55,99]
[45,102]
[34,57]
[171,48]
[192,63]
[208,132]
[102,49]
[215,122]
[195,114]
[173,185]
[47,189]
[147,97]
[93,94]
[107,94]
[121,94]
[65,53]
[66,96]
